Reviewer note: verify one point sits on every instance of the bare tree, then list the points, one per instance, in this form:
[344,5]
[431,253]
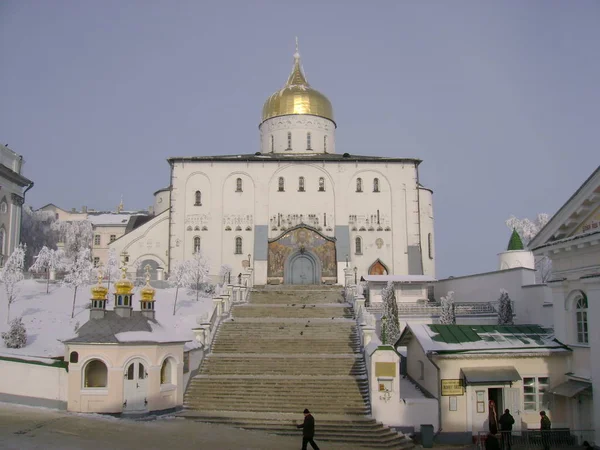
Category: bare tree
[12,274]
[79,272]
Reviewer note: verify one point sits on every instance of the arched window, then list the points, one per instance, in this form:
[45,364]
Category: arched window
[272,144]
[321,184]
[308,141]
[358,246]
[359,185]
[421,370]
[198,198]
[196,244]
[581,316]
[3,207]
[375,184]
[289,147]
[325,144]
[238,185]
[301,184]
[74,357]
[238,245]
[95,374]
[2,239]
[166,372]
[430,245]
[281,184]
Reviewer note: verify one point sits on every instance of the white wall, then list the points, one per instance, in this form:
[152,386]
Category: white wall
[33,384]
[299,125]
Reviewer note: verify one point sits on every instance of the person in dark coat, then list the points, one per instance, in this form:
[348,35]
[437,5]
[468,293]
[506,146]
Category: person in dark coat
[308,431]
[506,423]
[545,426]
[491,442]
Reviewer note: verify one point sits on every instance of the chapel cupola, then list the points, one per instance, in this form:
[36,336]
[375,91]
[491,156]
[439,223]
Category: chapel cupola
[147,297]
[123,294]
[99,292]
[516,255]
[297,118]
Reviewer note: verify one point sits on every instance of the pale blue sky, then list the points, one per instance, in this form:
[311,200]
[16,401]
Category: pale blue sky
[499,99]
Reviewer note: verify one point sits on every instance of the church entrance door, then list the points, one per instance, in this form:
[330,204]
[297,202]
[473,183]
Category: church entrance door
[303,270]
[134,389]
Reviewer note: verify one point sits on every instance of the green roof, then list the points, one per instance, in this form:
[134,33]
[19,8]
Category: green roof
[460,334]
[515,242]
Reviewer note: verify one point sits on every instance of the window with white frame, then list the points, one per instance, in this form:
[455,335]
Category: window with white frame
[272,144]
[196,244]
[359,185]
[376,185]
[96,239]
[113,238]
[96,261]
[301,184]
[324,144]
[95,374]
[308,141]
[238,245]
[289,140]
[166,370]
[581,316]
[198,198]
[321,184]
[430,245]
[3,207]
[535,393]
[281,184]
[358,245]
[238,185]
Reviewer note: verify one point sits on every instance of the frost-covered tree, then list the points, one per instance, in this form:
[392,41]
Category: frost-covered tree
[48,260]
[391,328]
[527,230]
[79,272]
[197,273]
[112,269]
[178,278]
[75,235]
[37,232]
[448,311]
[12,274]
[225,273]
[16,336]
[505,311]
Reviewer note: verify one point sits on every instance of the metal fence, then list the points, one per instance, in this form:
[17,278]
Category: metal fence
[559,438]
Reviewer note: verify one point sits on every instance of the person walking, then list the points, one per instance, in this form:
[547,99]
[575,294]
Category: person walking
[308,431]
[545,426]
[506,423]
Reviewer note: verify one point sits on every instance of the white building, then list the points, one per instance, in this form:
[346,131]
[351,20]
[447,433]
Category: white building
[12,197]
[571,239]
[296,210]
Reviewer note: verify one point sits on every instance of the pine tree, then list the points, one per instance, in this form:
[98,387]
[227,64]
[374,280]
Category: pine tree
[448,311]
[16,336]
[505,311]
[391,328]
[12,274]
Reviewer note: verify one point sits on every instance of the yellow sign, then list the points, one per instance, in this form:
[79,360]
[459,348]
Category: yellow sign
[385,369]
[452,387]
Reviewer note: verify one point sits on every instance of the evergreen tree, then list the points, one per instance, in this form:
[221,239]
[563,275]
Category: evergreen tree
[390,327]
[16,336]
[505,311]
[448,312]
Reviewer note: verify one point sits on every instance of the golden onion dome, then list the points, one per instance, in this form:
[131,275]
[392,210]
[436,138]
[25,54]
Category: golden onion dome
[297,97]
[99,292]
[124,286]
[147,292]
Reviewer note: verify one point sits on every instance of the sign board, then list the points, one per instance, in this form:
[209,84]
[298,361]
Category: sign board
[452,387]
[385,369]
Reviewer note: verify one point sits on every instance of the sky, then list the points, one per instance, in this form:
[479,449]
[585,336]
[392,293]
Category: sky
[499,99]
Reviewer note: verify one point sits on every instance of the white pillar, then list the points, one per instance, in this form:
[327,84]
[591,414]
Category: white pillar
[160,274]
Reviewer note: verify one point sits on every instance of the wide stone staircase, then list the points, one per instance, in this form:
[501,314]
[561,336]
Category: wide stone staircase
[290,348]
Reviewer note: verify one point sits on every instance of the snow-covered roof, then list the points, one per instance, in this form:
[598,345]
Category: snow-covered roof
[277,157]
[111,218]
[400,278]
[438,338]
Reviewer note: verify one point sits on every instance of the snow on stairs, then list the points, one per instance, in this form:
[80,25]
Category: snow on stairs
[290,349]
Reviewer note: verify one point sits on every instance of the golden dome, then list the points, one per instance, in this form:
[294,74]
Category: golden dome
[147,292]
[297,97]
[124,286]
[99,292]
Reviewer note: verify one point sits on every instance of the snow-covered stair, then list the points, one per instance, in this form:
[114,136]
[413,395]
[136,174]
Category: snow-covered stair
[290,349]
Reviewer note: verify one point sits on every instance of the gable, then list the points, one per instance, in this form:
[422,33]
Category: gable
[578,216]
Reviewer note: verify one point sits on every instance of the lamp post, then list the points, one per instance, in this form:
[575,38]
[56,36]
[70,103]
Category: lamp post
[346,260]
[355,275]
[249,259]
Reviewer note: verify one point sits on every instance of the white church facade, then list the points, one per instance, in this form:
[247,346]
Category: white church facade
[297,211]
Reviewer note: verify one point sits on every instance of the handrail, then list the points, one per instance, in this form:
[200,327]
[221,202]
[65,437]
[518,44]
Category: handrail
[535,439]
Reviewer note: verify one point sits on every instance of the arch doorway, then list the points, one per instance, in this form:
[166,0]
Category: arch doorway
[378,268]
[135,386]
[302,268]
[141,270]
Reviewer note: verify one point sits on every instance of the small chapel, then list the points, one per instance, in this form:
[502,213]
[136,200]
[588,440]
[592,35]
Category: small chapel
[298,210]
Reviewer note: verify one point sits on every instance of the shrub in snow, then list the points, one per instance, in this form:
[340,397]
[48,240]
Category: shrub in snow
[16,336]
[197,273]
[47,260]
[390,331]
[505,311]
[448,312]
[12,274]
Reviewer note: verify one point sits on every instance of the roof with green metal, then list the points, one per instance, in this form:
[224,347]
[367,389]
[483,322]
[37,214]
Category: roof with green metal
[456,338]
[515,242]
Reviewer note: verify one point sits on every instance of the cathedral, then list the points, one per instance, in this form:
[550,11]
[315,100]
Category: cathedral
[297,211]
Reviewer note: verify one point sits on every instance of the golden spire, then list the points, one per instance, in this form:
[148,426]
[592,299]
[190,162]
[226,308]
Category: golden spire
[297,77]
[99,291]
[147,291]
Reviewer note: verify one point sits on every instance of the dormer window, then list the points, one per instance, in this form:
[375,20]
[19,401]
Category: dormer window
[375,184]
[301,184]
[359,185]
[289,140]
[321,184]
[238,185]
[281,184]
[308,141]
[198,198]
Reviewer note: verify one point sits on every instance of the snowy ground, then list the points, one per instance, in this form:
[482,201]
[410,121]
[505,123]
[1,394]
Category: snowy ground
[47,317]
